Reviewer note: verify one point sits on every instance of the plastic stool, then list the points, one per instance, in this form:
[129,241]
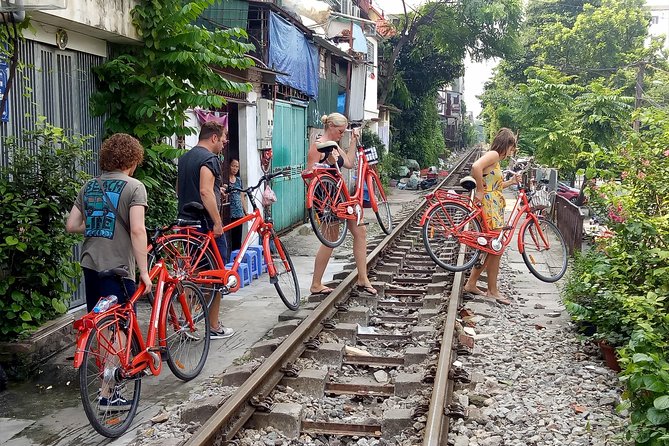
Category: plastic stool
[244,273]
[251,260]
[261,259]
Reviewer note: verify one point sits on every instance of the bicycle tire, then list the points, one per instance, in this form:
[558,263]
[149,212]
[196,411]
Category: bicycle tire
[546,263]
[440,244]
[178,251]
[383,215]
[93,373]
[328,227]
[285,282]
[180,339]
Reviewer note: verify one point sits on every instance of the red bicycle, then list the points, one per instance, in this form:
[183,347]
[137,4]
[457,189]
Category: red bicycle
[452,221]
[112,355]
[192,252]
[329,203]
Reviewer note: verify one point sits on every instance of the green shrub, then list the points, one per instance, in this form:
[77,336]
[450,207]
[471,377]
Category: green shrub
[37,189]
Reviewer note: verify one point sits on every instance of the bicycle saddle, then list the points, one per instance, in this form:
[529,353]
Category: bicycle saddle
[120,271]
[326,146]
[468,182]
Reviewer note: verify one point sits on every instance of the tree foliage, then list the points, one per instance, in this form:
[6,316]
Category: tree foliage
[428,52]
[37,189]
[146,90]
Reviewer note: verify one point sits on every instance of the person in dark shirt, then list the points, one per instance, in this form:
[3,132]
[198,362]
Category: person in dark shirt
[199,180]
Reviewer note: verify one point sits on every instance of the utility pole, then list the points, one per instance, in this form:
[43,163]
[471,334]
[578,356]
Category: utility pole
[641,68]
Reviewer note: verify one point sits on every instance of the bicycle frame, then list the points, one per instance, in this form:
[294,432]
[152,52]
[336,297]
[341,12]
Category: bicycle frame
[222,275]
[352,207]
[501,238]
[149,355]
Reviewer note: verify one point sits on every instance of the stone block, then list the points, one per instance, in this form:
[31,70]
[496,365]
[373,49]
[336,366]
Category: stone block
[285,328]
[438,287]
[433,301]
[423,331]
[395,421]
[383,276]
[364,300]
[310,383]
[346,332]
[236,375]
[200,410]
[407,384]
[290,314]
[441,277]
[329,353]
[388,267]
[354,315]
[425,314]
[284,417]
[415,355]
[264,348]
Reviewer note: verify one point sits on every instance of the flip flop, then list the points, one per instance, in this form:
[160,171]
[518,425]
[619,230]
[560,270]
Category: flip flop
[322,292]
[366,289]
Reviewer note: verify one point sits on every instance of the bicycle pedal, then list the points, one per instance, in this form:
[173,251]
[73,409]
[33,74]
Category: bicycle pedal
[364,224]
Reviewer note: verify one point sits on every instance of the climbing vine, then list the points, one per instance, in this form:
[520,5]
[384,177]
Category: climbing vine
[146,89]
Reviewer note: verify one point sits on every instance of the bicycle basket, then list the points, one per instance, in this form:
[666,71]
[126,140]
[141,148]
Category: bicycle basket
[542,199]
[371,155]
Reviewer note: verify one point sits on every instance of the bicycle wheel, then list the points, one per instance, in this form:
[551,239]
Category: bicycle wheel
[545,252]
[184,257]
[439,239]
[285,278]
[329,228]
[383,209]
[186,331]
[110,402]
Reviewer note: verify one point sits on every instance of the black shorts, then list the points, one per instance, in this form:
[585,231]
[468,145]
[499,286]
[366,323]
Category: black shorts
[97,288]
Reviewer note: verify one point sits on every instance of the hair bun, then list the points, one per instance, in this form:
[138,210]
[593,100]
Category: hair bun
[324,119]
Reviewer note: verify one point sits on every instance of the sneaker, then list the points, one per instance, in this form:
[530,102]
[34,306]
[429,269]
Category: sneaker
[114,403]
[220,332]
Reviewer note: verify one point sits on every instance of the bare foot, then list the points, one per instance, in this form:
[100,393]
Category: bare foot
[499,298]
[476,290]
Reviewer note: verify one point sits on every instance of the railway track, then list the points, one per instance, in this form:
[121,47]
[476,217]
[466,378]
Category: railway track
[351,366]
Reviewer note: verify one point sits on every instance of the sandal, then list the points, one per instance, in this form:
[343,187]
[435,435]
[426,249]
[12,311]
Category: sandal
[366,289]
[322,292]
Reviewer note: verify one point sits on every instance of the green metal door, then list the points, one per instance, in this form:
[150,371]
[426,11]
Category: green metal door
[289,151]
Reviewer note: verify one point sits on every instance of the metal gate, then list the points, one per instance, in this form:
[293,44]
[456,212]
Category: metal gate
[289,148]
[58,85]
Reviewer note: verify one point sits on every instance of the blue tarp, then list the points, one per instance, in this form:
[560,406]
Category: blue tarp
[290,52]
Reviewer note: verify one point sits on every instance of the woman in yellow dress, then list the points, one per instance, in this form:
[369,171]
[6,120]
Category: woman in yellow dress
[489,185]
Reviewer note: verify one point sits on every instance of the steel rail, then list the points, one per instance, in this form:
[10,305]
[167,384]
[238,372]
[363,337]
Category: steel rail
[236,410]
[436,425]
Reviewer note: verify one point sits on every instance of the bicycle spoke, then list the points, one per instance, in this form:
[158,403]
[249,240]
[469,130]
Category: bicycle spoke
[545,252]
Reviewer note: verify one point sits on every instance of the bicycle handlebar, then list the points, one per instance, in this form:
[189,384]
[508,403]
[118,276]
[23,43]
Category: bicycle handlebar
[264,178]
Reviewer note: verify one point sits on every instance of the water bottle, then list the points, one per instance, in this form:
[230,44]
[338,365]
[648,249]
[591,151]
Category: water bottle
[104,303]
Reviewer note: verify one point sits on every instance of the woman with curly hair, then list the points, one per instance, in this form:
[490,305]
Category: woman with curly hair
[109,211]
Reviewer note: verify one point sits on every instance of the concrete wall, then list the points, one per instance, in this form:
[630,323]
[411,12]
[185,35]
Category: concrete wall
[103,19]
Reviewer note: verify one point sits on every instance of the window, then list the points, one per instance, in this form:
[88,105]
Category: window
[654,20]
